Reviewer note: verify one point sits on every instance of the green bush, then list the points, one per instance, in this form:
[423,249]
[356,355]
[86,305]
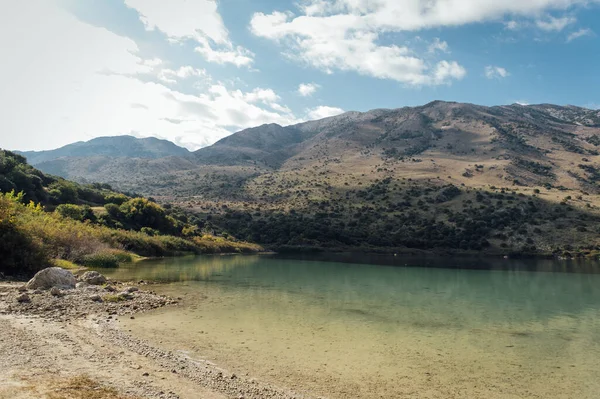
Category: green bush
[103,260]
[115,198]
[63,192]
[17,175]
[141,212]
[149,231]
[76,212]
[113,210]
[20,254]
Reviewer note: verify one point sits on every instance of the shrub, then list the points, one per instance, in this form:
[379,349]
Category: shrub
[102,259]
[63,192]
[113,210]
[30,237]
[122,256]
[115,198]
[20,254]
[149,231]
[76,212]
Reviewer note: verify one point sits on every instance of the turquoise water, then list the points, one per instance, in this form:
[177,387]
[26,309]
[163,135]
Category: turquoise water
[356,327]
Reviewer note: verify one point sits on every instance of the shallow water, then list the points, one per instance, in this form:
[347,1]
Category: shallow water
[350,330]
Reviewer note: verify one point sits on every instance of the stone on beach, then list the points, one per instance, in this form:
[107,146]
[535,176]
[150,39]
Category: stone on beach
[125,295]
[93,278]
[23,298]
[95,298]
[52,277]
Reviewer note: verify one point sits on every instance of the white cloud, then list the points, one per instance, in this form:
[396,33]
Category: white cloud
[555,24]
[512,25]
[184,72]
[238,56]
[182,19]
[266,96]
[445,72]
[438,45]
[580,33]
[68,81]
[345,34]
[338,42]
[197,20]
[495,72]
[307,89]
[323,111]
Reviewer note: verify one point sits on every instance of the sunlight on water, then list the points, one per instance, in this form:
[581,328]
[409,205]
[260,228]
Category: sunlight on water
[346,330]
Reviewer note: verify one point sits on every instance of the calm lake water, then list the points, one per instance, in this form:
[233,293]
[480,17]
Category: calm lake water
[385,327]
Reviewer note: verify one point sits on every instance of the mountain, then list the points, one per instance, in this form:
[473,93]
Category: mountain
[525,145]
[114,147]
[446,175]
[110,158]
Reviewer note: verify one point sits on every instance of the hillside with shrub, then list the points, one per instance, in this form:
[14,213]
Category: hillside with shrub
[46,220]
[445,177]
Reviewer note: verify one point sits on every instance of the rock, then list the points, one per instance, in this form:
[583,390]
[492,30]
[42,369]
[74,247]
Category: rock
[131,289]
[95,298]
[22,288]
[52,277]
[110,288]
[125,295]
[55,291]
[81,284]
[93,278]
[23,298]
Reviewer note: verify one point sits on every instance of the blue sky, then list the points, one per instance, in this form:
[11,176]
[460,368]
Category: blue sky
[194,71]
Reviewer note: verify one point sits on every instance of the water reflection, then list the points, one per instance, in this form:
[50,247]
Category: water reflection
[351,329]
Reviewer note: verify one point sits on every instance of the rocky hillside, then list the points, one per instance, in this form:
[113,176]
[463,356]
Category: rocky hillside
[542,145]
[101,158]
[444,175]
[115,147]
[537,145]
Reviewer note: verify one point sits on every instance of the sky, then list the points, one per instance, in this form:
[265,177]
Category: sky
[195,71]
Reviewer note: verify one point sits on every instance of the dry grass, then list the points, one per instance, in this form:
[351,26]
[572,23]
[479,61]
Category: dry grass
[79,387]
[83,387]
[65,264]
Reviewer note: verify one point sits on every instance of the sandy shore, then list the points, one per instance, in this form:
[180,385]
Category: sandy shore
[70,345]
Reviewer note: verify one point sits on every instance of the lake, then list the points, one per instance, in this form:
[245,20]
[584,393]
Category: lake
[350,326]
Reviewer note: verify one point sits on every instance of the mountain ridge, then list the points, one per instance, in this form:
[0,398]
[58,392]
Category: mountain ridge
[445,175]
[520,141]
[112,146]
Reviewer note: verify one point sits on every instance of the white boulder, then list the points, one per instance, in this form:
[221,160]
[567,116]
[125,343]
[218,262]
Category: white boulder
[52,277]
[93,278]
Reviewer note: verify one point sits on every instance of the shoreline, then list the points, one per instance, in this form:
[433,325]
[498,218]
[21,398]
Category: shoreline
[435,252]
[51,341]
